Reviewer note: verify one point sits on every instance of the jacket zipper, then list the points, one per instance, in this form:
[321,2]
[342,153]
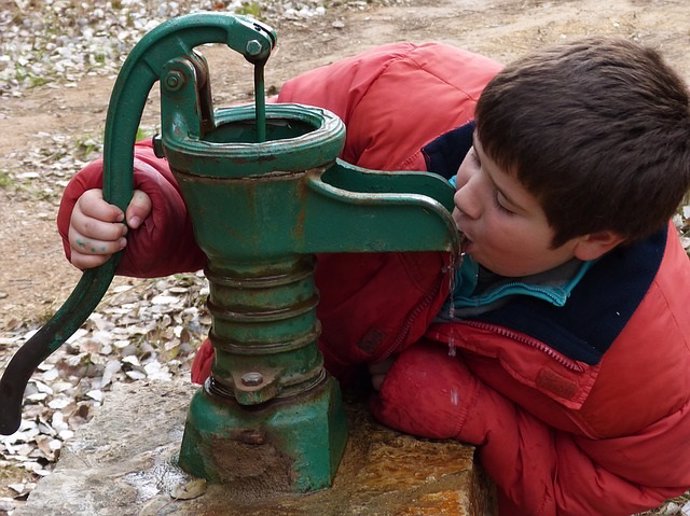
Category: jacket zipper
[523,339]
[421,307]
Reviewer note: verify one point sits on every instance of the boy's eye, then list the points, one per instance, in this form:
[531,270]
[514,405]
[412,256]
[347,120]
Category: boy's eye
[499,201]
[500,205]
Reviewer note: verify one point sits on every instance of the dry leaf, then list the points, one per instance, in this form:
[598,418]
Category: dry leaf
[190,490]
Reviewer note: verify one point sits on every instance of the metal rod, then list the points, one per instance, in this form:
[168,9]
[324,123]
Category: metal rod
[260,101]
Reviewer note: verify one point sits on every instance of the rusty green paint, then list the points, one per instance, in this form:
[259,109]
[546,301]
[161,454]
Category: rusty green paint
[288,445]
[260,210]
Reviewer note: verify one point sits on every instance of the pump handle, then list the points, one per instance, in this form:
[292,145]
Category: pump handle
[140,71]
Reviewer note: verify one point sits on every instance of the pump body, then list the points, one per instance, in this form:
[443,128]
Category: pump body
[265,191]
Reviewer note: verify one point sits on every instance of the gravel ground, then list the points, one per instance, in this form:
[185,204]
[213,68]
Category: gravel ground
[62,40]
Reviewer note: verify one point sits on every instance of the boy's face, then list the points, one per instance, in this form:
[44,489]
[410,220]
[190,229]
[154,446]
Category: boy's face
[507,229]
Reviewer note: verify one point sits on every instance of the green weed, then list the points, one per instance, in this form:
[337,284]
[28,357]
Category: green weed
[5,179]
[143,133]
[86,148]
[252,9]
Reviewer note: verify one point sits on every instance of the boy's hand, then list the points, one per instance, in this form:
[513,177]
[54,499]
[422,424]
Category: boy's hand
[97,229]
[378,372]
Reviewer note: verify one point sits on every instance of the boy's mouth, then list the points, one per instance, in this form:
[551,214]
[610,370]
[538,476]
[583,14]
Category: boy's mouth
[464,243]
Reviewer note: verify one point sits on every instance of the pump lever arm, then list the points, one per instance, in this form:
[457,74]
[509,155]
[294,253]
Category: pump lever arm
[140,71]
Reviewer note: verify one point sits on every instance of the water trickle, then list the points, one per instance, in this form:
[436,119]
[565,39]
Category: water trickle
[454,263]
[451,306]
[454,396]
[452,272]
[260,101]
[451,347]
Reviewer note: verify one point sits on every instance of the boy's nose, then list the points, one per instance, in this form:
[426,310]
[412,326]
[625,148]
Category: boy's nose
[467,202]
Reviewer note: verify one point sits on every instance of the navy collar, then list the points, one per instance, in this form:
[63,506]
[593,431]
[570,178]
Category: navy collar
[444,154]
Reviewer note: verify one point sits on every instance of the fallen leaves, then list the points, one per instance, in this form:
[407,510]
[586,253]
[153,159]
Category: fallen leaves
[143,331]
[57,42]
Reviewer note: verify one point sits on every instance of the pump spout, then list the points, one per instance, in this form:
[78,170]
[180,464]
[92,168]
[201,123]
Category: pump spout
[371,210]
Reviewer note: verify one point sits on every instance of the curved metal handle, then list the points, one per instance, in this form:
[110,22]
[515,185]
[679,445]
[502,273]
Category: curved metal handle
[81,302]
[140,71]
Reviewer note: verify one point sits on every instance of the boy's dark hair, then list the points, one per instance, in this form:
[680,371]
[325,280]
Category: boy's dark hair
[598,130]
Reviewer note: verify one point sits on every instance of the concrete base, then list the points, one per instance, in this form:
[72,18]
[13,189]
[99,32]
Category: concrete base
[124,462]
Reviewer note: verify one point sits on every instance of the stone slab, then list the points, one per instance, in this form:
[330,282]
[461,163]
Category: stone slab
[124,462]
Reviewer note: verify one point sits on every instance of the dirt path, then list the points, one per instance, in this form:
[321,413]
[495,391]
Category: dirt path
[34,277]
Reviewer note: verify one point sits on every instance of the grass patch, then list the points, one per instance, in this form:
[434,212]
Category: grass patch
[87,148]
[11,474]
[5,179]
[252,9]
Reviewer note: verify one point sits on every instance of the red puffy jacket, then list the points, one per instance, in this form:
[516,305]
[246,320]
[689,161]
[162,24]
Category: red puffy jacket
[579,411]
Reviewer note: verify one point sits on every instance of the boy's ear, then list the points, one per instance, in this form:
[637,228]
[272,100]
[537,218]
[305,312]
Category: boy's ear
[595,245]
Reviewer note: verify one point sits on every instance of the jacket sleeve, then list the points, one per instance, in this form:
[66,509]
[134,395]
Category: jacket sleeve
[164,244]
[537,469]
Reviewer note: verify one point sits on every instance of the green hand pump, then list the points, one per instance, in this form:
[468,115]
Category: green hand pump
[266,191]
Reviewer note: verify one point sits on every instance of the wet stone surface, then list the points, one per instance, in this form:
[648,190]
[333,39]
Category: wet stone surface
[123,462]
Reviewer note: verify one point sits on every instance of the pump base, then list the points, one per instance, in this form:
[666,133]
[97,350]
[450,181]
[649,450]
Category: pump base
[291,445]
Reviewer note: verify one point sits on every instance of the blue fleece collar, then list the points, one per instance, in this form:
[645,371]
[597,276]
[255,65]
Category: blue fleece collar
[554,292]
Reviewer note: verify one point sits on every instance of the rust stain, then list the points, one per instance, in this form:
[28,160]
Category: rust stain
[251,463]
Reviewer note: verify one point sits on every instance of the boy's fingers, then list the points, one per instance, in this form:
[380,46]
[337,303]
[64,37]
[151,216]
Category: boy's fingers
[139,208]
[88,261]
[94,229]
[88,252]
[378,372]
[377,381]
[87,245]
[91,204]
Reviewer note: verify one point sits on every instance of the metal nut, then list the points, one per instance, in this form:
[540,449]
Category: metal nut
[252,379]
[253,47]
[174,80]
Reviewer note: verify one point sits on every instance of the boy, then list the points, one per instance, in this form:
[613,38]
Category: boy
[563,349]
